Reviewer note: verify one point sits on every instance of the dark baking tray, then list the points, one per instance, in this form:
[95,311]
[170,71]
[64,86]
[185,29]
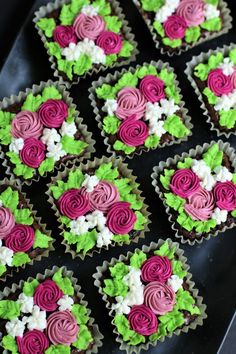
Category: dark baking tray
[213,264]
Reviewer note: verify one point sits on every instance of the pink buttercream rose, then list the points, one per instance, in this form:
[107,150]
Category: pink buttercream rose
[121,218]
[233,79]
[103,196]
[133,132]
[156,268]
[152,88]
[192,11]
[142,320]
[20,239]
[32,342]
[62,328]
[130,101]
[110,42]
[47,295]
[33,152]
[26,124]
[88,26]
[184,183]
[53,113]
[64,35]
[225,195]
[200,205]
[219,83]
[175,27]
[159,297]
[7,222]
[74,203]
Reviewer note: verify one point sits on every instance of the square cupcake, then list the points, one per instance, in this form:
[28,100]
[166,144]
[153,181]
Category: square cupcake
[98,205]
[47,314]
[179,25]
[23,239]
[198,190]
[150,295]
[213,76]
[40,130]
[86,36]
[140,109]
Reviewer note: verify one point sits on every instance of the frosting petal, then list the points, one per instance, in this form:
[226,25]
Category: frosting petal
[175,27]
[156,268]
[142,320]
[47,295]
[159,297]
[32,342]
[7,222]
[33,152]
[219,83]
[133,132]
[152,88]
[20,239]
[192,11]
[103,196]
[26,124]
[74,203]
[88,26]
[130,101]
[225,195]
[52,113]
[121,218]
[184,182]
[110,42]
[200,204]
[64,35]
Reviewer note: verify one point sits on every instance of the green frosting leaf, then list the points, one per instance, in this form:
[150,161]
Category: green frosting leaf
[5,118]
[58,190]
[212,99]
[66,67]
[186,302]
[123,186]
[51,92]
[113,23]
[84,338]
[175,126]
[152,5]
[233,213]
[134,200]
[212,2]
[82,65]
[70,238]
[201,71]
[161,332]
[213,156]
[105,92]
[146,70]
[205,226]
[71,115]
[159,28]
[3,269]
[30,286]
[228,118]
[81,314]
[172,320]
[107,172]
[67,15]
[174,201]
[72,146]
[115,287]
[41,240]
[215,60]
[121,239]
[127,79]
[24,171]
[75,179]
[119,146]
[5,135]
[137,259]
[104,7]
[126,49]
[166,178]
[111,124]
[185,221]
[172,92]
[234,178]
[192,34]
[232,55]
[140,222]
[110,59]
[10,198]
[20,258]
[32,103]
[9,343]
[58,349]
[46,166]
[152,141]
[54,49]
[119,270]
[23,216]
[123,327]
[167,76]
[76,5]
[214,24]
[186,164]
[47,25]
[173,43]
[166,251]
[14,158]
[64,283]
[177,269]
[86,241]
[9,309]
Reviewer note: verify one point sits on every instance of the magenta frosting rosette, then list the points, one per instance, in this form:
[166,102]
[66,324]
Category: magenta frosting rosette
[121,218]
[62,328]
[52,113]
[88,26]
[133,132]
[192,11]
[175,27]
[32,342]
[130,101]
[110,42]
[20,238]
[64,35]
[200,205]
[33,152]
[47,295]
[103,196]
[225,195]
[184,183]
[7,222]
[219,83]
[156,268]
[152,88]
[142,320]
[26,124]
[159,297]
[74,203]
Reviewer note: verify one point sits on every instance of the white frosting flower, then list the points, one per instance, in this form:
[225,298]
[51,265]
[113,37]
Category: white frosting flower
[133,278]
[56,151]
[219,215]
[16,145]
[175,282]
[88,47]
[79,226]
[110,106]
[135,296]
[65,303]
[225,102]
[15,328]
[6,256]
[227,66]
[200,168]
[157,128]
[168,107]
[72,52]
[104,237]
[153,111]
[90,10]
[68,129]
[90,182]
[211,11]
[26,303]
[37,320]
[96,219]
[50,136]
[208,182]
[121,306]
[222,174]
[167,10]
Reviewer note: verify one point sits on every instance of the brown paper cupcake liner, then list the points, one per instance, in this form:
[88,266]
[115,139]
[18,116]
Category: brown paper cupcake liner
[199,150]
[124,171]
[98,276]
[227,25]
[43,11]
[114,77]
[189,71]
[48,274]
[38,220]
[14,99]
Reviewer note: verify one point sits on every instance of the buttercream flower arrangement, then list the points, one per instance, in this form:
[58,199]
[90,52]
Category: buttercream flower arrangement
[47,315]
[98,205]
[22,237]
[199,191]
[150,295]
[178,25]
[140,108]
[84,35]
[39,130]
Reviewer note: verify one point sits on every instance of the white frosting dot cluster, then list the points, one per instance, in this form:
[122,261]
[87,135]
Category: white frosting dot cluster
[26,303]
[110,106]
[85,47]
[226,102]
[6,255]
[211,11]
[65,303]
[227,66]
[90,182]
[175,283]
[166,10]
[16,145]
[89,10]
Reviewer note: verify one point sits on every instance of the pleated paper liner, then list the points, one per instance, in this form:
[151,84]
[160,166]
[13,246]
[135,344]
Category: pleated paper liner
[98,276]
[199,150]
[93,164]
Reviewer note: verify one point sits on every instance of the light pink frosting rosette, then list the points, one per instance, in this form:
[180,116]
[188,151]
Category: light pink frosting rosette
[74,203]
[47,294]
[104,195]
[32,342]
[20,239]
[130,101]
[184,182]
[110,42]
[225,195]
[64,35]
[152,88]
[62,328]
[156,268]
[192,11]
[88,26]
[233,79]
[219,83]
[7,222]
[200,205]
[52,113]
[175,27]
[159,297]
[133,132]
[26,124]
[142,320]
[33,152]
[121,218]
